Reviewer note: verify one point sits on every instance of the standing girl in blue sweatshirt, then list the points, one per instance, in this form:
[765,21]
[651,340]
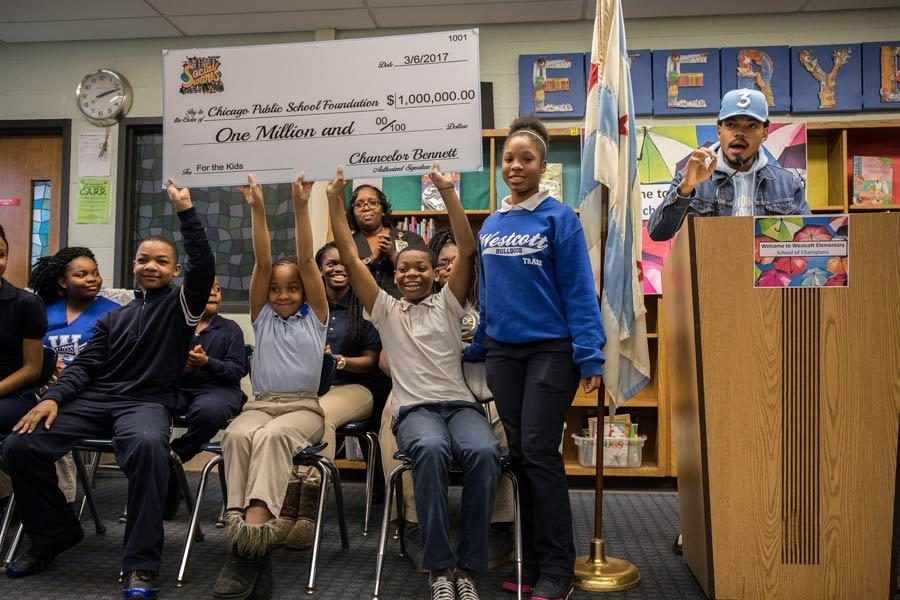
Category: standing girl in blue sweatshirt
[541,327]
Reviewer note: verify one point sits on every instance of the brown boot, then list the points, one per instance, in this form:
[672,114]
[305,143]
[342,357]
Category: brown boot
[289,508]
[304,531]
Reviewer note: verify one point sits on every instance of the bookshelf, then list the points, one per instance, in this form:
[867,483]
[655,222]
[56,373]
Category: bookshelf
[831,146]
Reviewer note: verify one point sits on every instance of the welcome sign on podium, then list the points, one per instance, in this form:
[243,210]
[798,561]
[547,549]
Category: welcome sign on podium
[380,106]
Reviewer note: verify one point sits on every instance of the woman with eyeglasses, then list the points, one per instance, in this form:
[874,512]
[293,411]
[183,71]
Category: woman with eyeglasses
[377,241]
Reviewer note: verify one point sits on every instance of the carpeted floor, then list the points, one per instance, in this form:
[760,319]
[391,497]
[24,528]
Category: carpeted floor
[640,527]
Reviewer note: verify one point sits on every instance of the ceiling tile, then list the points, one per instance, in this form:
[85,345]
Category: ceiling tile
[54,10]
[307,20]
[397,3]
[224,7]
[94,29]
[481,13]
[691,8]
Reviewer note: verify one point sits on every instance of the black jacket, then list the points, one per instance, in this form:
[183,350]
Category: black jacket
[139,351]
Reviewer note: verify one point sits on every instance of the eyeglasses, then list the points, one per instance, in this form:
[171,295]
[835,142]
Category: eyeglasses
[360,204]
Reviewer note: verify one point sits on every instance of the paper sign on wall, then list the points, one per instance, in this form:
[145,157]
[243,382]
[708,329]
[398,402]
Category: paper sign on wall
[92,203]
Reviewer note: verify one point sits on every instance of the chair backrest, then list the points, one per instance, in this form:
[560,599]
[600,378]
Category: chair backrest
[329,365]
[48,367]
[248,356]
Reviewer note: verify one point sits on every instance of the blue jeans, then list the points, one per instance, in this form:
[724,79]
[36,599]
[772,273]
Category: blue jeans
[434,436]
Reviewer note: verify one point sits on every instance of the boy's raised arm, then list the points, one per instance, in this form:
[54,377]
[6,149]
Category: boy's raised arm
[201,268]
[461,276]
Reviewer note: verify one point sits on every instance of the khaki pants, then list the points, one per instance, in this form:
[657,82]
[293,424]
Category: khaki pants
[342,404]
[503,504]
[260,444]
[65,472]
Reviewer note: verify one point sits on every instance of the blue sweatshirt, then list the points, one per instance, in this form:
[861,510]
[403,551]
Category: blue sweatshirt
[138,352]
[536,282]
[69,338]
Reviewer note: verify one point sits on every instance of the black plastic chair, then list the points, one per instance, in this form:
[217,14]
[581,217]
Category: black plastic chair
[395,489]
[310,457]
[360,430]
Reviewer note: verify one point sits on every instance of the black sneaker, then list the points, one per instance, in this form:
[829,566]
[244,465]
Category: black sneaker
[34,560]
[550,587]
[140,584]
[442,588]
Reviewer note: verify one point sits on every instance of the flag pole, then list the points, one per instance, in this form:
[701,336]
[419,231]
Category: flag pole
[597,572]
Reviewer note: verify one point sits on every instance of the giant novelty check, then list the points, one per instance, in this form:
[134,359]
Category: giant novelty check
[379,106]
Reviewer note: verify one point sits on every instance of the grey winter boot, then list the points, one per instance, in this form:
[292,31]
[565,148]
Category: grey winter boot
[303,533]
[250,547]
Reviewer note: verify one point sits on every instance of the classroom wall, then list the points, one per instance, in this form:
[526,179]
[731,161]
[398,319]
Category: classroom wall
[40,78]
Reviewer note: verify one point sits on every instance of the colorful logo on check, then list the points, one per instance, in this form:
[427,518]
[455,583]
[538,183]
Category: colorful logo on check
[201,75]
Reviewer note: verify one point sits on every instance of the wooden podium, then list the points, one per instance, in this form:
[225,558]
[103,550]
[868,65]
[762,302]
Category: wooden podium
[786,411]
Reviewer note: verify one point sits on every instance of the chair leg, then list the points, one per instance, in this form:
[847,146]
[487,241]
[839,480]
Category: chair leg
[517,530]
[195,517]
[324,474]
[220,522]
[92,472]
[371,464]
[401,513]
[338,500]
[185,489]
[14,546]
[7,518]
[385,523]
[86,481]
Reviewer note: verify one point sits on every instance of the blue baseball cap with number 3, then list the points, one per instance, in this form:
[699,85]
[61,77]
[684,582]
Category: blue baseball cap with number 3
[744,103]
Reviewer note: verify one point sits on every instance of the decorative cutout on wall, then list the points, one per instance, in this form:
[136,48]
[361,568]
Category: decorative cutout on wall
[881,75]
[552,86]
[765,68]
[826,78]
[686,82]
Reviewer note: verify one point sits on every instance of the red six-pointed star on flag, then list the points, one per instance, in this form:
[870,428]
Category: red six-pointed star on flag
[623,125]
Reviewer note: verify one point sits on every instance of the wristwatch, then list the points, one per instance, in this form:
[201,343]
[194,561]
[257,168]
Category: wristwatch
[341,362]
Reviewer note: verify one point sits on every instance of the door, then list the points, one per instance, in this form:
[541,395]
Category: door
[30,173]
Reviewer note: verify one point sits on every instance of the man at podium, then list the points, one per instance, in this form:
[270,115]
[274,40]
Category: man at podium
[731,177]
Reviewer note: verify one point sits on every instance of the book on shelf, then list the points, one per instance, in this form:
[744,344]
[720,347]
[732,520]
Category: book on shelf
[431,197]
[873,178]
[552,180]
[423,226]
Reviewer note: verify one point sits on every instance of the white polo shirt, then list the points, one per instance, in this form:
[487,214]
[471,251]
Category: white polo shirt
[424,347]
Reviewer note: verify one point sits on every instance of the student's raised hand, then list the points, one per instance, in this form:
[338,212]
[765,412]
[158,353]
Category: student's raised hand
[300,190]
[440,180]
[336,187]
[179,197]
[252,192]
[590,384]
[45,409]
[700,167]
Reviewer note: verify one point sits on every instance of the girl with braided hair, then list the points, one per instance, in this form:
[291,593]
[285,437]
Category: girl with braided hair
[68,282]
[355,344]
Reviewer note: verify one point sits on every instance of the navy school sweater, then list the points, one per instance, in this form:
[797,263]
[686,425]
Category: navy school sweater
[536,282]
[138,352]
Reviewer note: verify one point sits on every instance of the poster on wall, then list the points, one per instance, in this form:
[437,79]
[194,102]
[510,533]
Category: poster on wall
[801,251]
[763,68]
[663,150]
[881,76]
[826,78]
[686,82]
[552,86]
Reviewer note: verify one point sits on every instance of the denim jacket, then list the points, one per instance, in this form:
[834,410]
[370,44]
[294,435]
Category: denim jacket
[778,192]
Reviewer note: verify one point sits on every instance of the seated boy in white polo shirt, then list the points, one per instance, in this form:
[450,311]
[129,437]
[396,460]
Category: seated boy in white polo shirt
[436,419]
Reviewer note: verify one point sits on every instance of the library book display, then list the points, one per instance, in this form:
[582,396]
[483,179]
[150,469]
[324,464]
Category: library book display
[785,413]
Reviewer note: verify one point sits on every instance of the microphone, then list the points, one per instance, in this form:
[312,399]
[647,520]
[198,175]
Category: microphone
[740,163]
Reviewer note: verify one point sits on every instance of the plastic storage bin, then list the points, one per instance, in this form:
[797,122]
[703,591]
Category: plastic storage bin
[618,452]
